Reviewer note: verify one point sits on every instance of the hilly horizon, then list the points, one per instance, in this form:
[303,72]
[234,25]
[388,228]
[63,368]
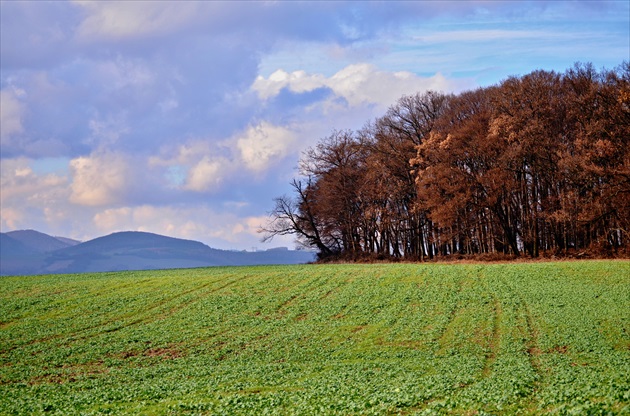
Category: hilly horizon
[29,252]
[40,241]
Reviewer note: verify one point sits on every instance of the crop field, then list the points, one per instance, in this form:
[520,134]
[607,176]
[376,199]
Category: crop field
[526,338]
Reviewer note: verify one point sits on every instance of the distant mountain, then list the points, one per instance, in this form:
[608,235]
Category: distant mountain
[11,246]
[68,241]
[17,257]
[38,241]
[137,242]
[126,251]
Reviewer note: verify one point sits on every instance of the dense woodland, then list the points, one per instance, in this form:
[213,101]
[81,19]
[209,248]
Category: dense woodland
[537,165]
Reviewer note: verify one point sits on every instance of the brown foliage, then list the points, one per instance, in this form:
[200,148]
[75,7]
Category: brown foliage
[537,165]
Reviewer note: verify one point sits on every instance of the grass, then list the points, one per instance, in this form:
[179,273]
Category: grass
[524,338]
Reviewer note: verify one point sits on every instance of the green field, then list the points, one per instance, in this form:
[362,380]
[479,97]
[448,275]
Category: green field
[467,339]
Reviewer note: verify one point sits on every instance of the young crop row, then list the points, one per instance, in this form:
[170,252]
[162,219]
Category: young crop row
[329,339]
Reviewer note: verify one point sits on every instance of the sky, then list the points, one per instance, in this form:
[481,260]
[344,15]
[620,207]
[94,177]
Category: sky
[187,118]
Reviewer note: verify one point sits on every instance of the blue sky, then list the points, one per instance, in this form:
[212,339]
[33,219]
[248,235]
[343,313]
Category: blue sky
[187,118]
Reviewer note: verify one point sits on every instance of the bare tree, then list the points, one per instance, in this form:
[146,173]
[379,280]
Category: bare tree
[296,217]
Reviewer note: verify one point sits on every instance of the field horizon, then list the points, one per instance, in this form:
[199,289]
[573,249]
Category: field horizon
[527,337]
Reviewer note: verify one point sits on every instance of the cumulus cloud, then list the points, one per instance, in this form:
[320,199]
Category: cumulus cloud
[297,81]
[208,174]
[28,197]
[18,181]
[208,166]
[100,179]
[364,83]
[264,144]
[124,19]
[358,84]
[12,218]
[11,113]
[199,165]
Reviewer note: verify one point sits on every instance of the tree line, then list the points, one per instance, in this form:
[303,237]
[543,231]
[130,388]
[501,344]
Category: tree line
[538,164]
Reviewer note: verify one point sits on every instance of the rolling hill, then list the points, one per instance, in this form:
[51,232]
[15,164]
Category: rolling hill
[39,241]
[31,252]
[17,257]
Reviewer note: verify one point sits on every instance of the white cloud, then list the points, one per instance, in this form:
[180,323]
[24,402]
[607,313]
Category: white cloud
[186,154]
[18,180]
[12,218]
[264,144]
[128,19]
[208,174]
[200,165]
[364,83]
[11,113]
[113,219]
[25,194]
[206,165]
[297,81]
[100,179]
[358,84]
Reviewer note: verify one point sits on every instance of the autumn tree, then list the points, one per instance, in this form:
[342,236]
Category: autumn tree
[395,137]
[535,164]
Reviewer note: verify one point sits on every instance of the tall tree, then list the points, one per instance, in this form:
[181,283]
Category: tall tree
[537,163]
